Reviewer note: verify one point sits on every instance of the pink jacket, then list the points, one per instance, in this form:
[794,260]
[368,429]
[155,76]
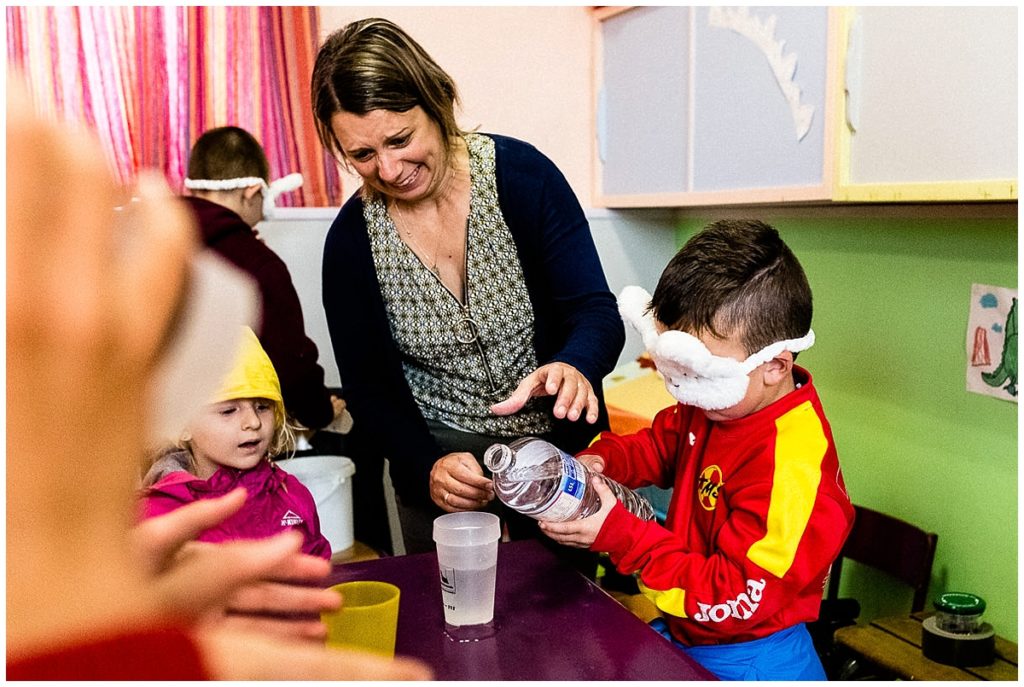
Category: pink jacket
[277,502]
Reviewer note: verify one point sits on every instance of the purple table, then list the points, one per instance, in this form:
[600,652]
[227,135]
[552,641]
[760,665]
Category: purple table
[550,623]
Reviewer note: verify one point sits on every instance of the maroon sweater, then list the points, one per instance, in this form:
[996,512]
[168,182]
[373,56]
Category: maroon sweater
[281,330]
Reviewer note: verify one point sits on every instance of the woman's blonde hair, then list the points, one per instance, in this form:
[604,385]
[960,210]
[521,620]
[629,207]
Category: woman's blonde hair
[372,64]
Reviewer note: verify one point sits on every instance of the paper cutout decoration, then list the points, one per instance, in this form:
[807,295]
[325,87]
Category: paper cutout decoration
[992,328]
[762,34]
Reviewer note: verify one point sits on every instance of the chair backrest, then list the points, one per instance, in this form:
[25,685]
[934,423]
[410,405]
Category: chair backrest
[893,546]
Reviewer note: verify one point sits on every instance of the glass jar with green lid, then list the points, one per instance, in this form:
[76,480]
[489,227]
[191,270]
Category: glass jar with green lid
[958,612]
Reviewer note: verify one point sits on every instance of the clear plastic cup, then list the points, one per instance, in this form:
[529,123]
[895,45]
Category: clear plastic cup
[467,559]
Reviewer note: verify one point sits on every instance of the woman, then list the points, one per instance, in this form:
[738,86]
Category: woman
[464,296]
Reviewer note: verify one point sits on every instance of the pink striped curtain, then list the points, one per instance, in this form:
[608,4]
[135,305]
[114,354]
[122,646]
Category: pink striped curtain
[151,79]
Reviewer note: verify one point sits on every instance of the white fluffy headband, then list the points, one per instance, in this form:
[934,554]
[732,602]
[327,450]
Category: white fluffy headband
[633,302]
[270,191]
[694,375]
[278,186]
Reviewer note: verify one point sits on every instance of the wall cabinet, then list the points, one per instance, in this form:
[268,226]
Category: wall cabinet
[715,105]
[930,109]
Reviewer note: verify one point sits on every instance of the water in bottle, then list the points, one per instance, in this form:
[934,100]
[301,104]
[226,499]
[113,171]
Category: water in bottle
[540,480]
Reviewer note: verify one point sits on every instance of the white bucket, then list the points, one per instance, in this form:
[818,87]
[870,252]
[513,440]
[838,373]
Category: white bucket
[328,478]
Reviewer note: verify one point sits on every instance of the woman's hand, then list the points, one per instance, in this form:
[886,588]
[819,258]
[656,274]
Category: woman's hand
[342,422]
[457,483]
[338,405]
[583,533]
[576,396]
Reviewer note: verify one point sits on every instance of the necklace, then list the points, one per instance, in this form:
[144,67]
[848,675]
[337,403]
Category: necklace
[415,245]
[406,229]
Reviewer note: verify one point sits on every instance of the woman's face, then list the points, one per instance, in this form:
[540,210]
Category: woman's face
[398,154]
[234,433]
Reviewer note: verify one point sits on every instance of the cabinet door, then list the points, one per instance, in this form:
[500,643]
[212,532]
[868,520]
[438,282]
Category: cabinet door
[760,77]
[931,111]
[708,105]
[643,104]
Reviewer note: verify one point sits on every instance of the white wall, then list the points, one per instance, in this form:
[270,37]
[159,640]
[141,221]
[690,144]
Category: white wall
[298,237]
[521,71]
[634,247]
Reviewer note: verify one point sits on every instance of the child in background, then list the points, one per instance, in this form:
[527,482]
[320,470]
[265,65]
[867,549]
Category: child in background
[231,192]
[231,443]
[759,510]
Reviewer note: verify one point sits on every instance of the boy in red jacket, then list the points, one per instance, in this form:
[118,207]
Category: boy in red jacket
[759,510]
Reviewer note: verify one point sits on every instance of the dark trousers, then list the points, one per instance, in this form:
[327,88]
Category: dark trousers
[369,507]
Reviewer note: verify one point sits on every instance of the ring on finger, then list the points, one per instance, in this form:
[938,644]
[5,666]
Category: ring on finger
[446,495]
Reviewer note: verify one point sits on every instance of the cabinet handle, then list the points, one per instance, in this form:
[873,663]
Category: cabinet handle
[852,87]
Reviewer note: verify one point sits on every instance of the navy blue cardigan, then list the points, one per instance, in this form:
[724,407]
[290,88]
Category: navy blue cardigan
[576,317]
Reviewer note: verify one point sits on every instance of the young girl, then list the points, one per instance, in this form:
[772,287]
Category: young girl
[229,444]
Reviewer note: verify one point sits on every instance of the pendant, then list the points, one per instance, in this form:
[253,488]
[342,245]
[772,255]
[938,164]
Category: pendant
[471,327]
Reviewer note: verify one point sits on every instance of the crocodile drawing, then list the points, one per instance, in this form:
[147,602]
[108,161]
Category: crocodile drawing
[1006,373]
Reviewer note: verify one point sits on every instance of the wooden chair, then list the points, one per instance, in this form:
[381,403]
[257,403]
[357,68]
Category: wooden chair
[893,546]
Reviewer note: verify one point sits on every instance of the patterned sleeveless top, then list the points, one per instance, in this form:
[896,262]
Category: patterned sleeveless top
[460,359]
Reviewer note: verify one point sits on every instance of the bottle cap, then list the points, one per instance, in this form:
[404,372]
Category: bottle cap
[960,603]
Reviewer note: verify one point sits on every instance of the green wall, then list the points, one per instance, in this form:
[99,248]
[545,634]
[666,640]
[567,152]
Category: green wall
[891,297]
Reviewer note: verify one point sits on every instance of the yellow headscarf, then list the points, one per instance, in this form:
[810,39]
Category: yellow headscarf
[253,376]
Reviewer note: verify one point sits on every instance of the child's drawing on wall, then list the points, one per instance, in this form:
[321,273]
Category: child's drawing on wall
[992,342]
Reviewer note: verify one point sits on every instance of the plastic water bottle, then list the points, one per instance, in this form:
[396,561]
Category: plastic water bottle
[540,480]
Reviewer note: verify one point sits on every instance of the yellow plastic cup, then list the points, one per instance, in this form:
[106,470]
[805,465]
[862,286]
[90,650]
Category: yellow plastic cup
[367,619]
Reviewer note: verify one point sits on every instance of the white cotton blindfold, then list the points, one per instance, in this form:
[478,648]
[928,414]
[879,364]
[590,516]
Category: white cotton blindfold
[693,374]
[270,191]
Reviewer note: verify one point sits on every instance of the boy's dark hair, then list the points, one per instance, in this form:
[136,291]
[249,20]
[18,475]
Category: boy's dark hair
[228,152]
[735,276]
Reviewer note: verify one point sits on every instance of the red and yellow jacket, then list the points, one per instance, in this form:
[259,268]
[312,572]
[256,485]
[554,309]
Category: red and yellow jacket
[758,513]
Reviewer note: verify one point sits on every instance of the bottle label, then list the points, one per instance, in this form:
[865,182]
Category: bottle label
[570,492]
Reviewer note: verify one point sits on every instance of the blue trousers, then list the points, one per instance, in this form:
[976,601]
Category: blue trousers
[784,655]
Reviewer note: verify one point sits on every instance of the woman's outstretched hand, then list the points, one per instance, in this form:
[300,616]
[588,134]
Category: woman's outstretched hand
[575,396]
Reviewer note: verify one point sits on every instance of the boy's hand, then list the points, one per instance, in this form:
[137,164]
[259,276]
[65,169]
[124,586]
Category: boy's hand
[582,533]
[594,463]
